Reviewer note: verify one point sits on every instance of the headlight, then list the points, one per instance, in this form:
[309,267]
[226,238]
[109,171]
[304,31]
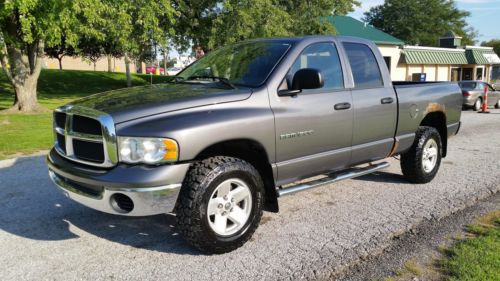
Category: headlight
[147,150]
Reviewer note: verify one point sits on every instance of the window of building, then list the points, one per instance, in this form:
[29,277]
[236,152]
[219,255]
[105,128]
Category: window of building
[479,73]
[364,66]
[388,63]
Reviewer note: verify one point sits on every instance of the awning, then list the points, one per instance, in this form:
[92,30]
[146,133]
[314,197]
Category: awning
[481,56]
[433,56]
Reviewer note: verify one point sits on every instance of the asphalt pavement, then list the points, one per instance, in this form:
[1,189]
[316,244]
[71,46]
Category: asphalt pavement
[317,234]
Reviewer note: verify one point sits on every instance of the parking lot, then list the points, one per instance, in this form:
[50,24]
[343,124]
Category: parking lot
[45,236]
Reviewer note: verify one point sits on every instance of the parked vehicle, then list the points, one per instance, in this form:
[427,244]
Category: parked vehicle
[217,145]
[173,71]
[473,93]
[154,70]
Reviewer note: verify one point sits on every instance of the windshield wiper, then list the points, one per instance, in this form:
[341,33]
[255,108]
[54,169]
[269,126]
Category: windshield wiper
[223,80]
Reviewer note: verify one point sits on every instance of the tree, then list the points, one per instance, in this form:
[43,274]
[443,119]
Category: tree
[138,24]
[89,48]
[111,49]
[421,22]
[26,27]
[308,16]
[495,43]
[210,24]
[60,51]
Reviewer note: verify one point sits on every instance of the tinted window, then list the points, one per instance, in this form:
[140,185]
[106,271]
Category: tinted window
[323,57]
[246,64]
[364,66]
[468,85]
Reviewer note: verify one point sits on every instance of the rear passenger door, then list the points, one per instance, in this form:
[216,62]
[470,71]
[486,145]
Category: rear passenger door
[374,103]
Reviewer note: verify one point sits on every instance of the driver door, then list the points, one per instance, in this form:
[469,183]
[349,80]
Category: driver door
[314,128]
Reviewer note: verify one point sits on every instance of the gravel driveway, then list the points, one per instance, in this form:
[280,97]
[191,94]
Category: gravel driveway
[318,233]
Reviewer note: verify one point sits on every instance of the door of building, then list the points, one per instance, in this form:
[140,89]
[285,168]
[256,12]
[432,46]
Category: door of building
[467,74]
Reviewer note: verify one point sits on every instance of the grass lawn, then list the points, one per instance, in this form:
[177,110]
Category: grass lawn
[28,133]
[477,257]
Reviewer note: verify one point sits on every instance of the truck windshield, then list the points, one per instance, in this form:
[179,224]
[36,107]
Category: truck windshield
[245,64]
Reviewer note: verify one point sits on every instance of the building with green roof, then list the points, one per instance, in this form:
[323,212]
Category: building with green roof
[348,26]
[449,62]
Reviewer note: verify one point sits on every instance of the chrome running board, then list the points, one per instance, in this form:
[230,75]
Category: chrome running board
[334,177]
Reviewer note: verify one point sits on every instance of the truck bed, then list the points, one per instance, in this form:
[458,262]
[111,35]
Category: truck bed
[413,105]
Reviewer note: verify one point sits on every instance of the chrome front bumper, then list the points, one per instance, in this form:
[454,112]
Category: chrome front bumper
[123,190]
[146,201]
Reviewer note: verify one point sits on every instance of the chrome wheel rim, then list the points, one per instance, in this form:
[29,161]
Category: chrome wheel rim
[229,207]
[430,155]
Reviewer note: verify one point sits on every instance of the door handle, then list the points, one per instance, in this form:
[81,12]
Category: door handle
[342,106]
[386,100]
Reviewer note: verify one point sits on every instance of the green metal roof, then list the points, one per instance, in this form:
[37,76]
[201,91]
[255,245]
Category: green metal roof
[426,56]
[348,26]
[476,56]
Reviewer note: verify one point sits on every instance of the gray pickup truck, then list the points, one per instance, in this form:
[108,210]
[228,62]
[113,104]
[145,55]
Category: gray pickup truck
[244,125]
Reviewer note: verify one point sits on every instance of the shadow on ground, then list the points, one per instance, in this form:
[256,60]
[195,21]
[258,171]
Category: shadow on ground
[384,177]
[31,207]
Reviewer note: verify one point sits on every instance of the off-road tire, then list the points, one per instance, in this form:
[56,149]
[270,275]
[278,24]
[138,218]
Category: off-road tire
[411,161]
[201,180]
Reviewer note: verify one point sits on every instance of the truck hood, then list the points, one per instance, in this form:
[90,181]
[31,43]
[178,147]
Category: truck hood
[132,103]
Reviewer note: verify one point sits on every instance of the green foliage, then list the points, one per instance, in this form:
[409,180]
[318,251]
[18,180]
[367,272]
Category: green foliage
[211,24]
[476,258]
[495,43]
[56,87]
[421,21]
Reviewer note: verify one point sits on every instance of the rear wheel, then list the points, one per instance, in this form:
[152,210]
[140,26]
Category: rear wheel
[497,105]
[220,204]
[421,163]
[478,104]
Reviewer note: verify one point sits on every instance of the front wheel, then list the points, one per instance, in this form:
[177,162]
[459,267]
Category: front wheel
[497,105]
[220,204]
[421,162]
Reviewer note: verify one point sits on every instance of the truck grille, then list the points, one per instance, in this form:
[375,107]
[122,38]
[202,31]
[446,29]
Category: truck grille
[85,135]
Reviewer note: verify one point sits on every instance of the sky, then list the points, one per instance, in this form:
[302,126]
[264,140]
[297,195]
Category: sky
[483,15]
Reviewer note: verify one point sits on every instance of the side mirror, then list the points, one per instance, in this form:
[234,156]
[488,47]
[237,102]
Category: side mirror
[306,78]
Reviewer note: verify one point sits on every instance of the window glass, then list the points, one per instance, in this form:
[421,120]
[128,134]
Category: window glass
[323,57]
[247,64]
[468,86]
[364,66]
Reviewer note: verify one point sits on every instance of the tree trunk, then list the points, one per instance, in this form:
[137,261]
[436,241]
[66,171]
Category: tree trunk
[60,63]
[165,57]
[23,73]
[95,65]
[127,71]
[26,100]
[110,62]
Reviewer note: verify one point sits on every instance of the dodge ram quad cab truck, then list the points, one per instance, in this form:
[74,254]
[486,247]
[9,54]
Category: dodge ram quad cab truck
[244,125]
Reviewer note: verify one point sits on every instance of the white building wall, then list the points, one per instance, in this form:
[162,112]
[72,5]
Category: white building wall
[443,73]
[430,71]
[399,74]
[78,63]
[393,52]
